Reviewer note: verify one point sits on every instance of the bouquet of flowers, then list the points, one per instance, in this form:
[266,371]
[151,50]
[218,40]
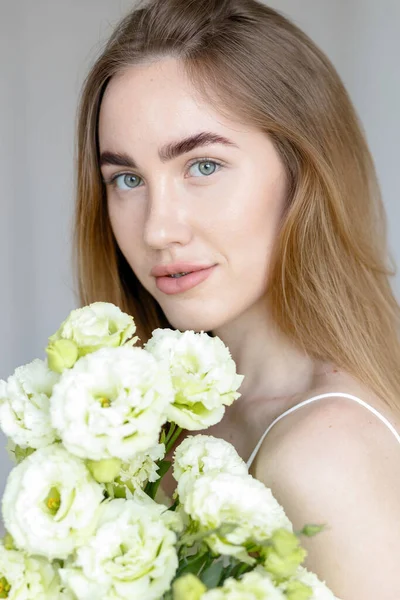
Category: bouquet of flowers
[90,428]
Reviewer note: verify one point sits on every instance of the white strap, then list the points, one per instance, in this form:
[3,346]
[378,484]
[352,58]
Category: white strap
[320,397]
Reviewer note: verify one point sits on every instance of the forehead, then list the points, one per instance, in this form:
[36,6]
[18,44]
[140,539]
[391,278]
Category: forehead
[156,100]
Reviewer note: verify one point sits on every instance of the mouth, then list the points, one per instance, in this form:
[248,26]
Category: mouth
[178,275]
[177,269]
[183,281]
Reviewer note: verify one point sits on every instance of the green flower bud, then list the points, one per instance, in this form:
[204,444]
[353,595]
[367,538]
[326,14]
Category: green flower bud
[311,530]
[22,453]
[188,587]
[284,542]
[284,567]
[5,587]
[106,470]
[120,491]
[8,542]
[284,555]
[295,590]
[61,354]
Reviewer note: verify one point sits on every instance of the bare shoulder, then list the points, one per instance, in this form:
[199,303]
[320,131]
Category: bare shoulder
[323,424]
[335,462]
[336,436]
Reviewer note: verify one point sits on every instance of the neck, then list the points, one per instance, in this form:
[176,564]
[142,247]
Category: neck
[273,367]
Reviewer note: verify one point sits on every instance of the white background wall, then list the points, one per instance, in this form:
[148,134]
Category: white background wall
[45,50]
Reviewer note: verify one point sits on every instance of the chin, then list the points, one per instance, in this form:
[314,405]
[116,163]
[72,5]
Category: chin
[194,322]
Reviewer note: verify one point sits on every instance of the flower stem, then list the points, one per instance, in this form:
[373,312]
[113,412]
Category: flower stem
[173,435]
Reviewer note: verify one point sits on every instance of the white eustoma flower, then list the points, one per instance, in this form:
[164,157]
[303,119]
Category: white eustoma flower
[221,499]
[319,589]
[24,405]
[112,404]
[88,329]
[24,577]
[131,555]
[253,586]
[203,374]
[201,454]
[141,469]
[50,503]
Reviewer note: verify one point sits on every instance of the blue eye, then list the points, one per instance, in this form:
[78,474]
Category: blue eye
[126,181]
[205,167]
[129,181]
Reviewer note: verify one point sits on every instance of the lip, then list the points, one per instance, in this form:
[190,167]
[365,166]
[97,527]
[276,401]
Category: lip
[179,267]
[169,285]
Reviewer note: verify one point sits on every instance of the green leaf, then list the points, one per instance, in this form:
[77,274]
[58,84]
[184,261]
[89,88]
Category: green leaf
[241,569]
[174,505]
[151,488]
[229,569]
[235,569]
[163,467]
[211,576]
[192,564]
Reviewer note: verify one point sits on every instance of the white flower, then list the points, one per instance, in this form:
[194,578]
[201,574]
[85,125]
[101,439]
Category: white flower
[253,586]
[141,469]
[27,578]
[201,454]
[24,405]
[88,329]
[50,503]
[319,588]
[112,404]
[172,519]
[221,499]
[203,374]
[132,555]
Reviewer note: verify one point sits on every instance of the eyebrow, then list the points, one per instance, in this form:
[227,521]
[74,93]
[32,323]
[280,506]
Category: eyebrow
[168,151]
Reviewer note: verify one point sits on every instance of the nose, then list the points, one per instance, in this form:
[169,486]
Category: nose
[167,219]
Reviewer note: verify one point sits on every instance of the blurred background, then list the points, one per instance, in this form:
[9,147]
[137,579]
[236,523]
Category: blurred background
[46,48]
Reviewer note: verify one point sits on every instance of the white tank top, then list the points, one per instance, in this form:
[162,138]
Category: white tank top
[314,399]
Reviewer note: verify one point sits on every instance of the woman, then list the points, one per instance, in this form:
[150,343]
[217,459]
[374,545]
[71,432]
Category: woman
[224,185]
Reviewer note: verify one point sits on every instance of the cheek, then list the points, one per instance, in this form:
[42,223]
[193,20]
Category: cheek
[127,230]
[252,231]
[250,213]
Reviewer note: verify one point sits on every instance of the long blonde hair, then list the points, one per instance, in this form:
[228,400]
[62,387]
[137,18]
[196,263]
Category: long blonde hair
[329,288]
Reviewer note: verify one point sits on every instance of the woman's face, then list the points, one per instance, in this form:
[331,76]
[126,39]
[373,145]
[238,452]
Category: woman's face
[189,191]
